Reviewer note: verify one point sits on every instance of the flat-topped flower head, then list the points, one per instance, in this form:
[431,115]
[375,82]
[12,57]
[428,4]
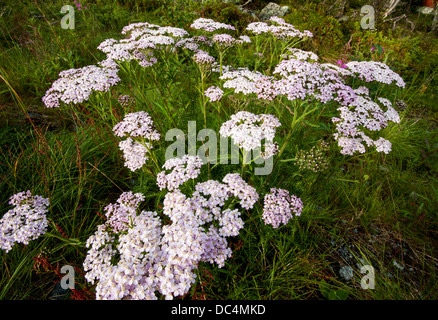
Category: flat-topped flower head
[145,29]
[375,71]
[214,93]
[203,58]
[137,124]
[248,130]
[279,207]
[77,85]
[241,189]
[224,40]
[24,223]
[134,153]
[278,28]
[295,53]
[244,80]
[356,120]
[181,170]
[210,25]
[301,78]
[135,256]
[121,214]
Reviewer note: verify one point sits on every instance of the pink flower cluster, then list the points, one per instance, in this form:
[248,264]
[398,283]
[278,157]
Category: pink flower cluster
[214,93]
[362,116]
[224,40]
[26,222]
[194,43]
[134,256]
[140,130]
[302,78]
[203,58]
[375,71]
[279,207]
[121,214]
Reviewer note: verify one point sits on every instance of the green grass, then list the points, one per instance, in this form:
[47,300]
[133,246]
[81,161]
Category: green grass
[373,208]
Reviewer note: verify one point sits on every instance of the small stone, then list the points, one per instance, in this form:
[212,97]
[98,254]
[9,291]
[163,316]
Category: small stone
[346,272]
[273,9]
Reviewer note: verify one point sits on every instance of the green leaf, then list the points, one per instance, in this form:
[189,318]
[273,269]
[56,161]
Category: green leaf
[338,295]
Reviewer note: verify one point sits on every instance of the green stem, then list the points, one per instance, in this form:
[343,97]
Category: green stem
[295,121]
[73,242]
[204,102]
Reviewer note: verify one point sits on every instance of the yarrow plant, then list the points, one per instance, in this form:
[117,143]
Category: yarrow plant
[138,253]
[26,222]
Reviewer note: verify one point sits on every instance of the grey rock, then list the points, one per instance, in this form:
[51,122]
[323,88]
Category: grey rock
[273,9]
[346,272]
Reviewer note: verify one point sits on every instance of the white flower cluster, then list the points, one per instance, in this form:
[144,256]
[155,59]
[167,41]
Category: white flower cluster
[279,28]
[194,43]
[279,207]
[137,125]
[360,116]
[134,275]
[134,153]
[243,80]
[135,256]
[375,71]
[204,59]
[144,39]
[26,222]
[214,93]
[76,85]
[223,39]
[210,25]
[302,78]
[248,130]
[240,189]
[295,53]
[182,170]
